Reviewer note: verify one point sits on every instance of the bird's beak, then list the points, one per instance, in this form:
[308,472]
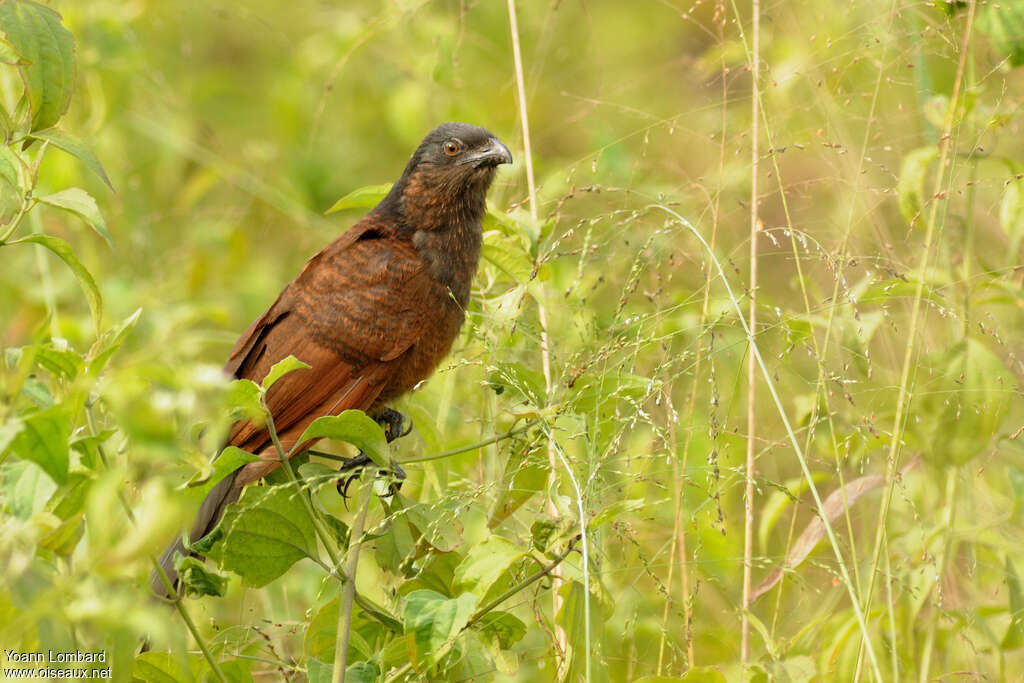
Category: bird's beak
[493,153]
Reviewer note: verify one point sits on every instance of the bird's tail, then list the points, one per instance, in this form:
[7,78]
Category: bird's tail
[210,512]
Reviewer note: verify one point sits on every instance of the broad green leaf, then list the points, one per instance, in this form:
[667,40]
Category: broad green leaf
[75,148]
[486,562]
[354,427]
[165,667]
[8,55]
[572,618]
[363,198]
[508,255]
[229,460]
[432,623]
[62,363]
[64,251]
[508,627]
[8,165]
[910,186]
[700,674]
[361,672]
[282,368]
[9,429]
[36,33]
[243,397]
[80,203]
[64,536]
[198,579]
[263,535]
[43,440]
[438,522]
[25,486]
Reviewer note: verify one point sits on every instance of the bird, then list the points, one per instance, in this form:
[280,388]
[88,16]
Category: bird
[372,313]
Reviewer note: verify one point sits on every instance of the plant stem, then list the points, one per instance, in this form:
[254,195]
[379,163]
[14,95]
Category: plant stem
[466,449]
[748,497]
[908,357]
[349,592]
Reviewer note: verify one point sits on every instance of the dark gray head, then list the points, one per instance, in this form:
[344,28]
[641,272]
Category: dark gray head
[449,173]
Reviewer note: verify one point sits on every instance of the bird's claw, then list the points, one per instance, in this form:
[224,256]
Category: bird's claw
[395,424]
[396,474]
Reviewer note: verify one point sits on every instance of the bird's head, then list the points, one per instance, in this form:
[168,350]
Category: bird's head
[449,173]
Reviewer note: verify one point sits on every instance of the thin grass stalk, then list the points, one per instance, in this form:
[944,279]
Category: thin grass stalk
[561,643]
[829,531]
[915,316]
[348,593]
[748,496]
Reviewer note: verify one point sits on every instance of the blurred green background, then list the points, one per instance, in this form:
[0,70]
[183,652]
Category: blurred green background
[228,129]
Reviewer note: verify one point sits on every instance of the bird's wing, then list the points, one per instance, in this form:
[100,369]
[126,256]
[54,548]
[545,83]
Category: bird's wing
[351,314]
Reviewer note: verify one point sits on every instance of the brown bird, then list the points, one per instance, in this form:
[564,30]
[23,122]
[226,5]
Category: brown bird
[372,313]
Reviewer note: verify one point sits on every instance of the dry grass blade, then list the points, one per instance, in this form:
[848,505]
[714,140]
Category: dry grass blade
[835,505]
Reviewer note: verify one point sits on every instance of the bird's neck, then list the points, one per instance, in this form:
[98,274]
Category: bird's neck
[451,251]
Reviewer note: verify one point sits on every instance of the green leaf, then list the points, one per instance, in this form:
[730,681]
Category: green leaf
[354,427]
[485,563]
[64,251]
[965,402]
[264,535]
[432,623]
[508,628]
[8,55]
[9,165]
[1011,209]
[243,397]
[198,579]
[164,667]
[60,362]
[64,537]
[79,202]
[109,342]
[1004,23]
[282,368]
[75,148]
[229,460]
[508,255]
[1014,637]
[910,186]
[25,486]
[615,511]
[35,32]
[572,617]
[43,439]
[363,198]
[700,674]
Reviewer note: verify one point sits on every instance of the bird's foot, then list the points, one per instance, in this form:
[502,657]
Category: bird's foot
[395,424]
[395,476]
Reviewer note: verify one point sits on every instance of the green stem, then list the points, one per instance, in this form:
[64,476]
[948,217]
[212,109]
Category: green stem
[348,594]
[371,609]
[26,206]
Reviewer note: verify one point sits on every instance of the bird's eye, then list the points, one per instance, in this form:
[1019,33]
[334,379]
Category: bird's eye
[451,148]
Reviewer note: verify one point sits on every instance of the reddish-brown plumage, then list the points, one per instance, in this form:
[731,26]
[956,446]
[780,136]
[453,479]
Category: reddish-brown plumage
[373,312]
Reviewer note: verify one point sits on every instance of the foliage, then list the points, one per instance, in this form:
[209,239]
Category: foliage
[599,381]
